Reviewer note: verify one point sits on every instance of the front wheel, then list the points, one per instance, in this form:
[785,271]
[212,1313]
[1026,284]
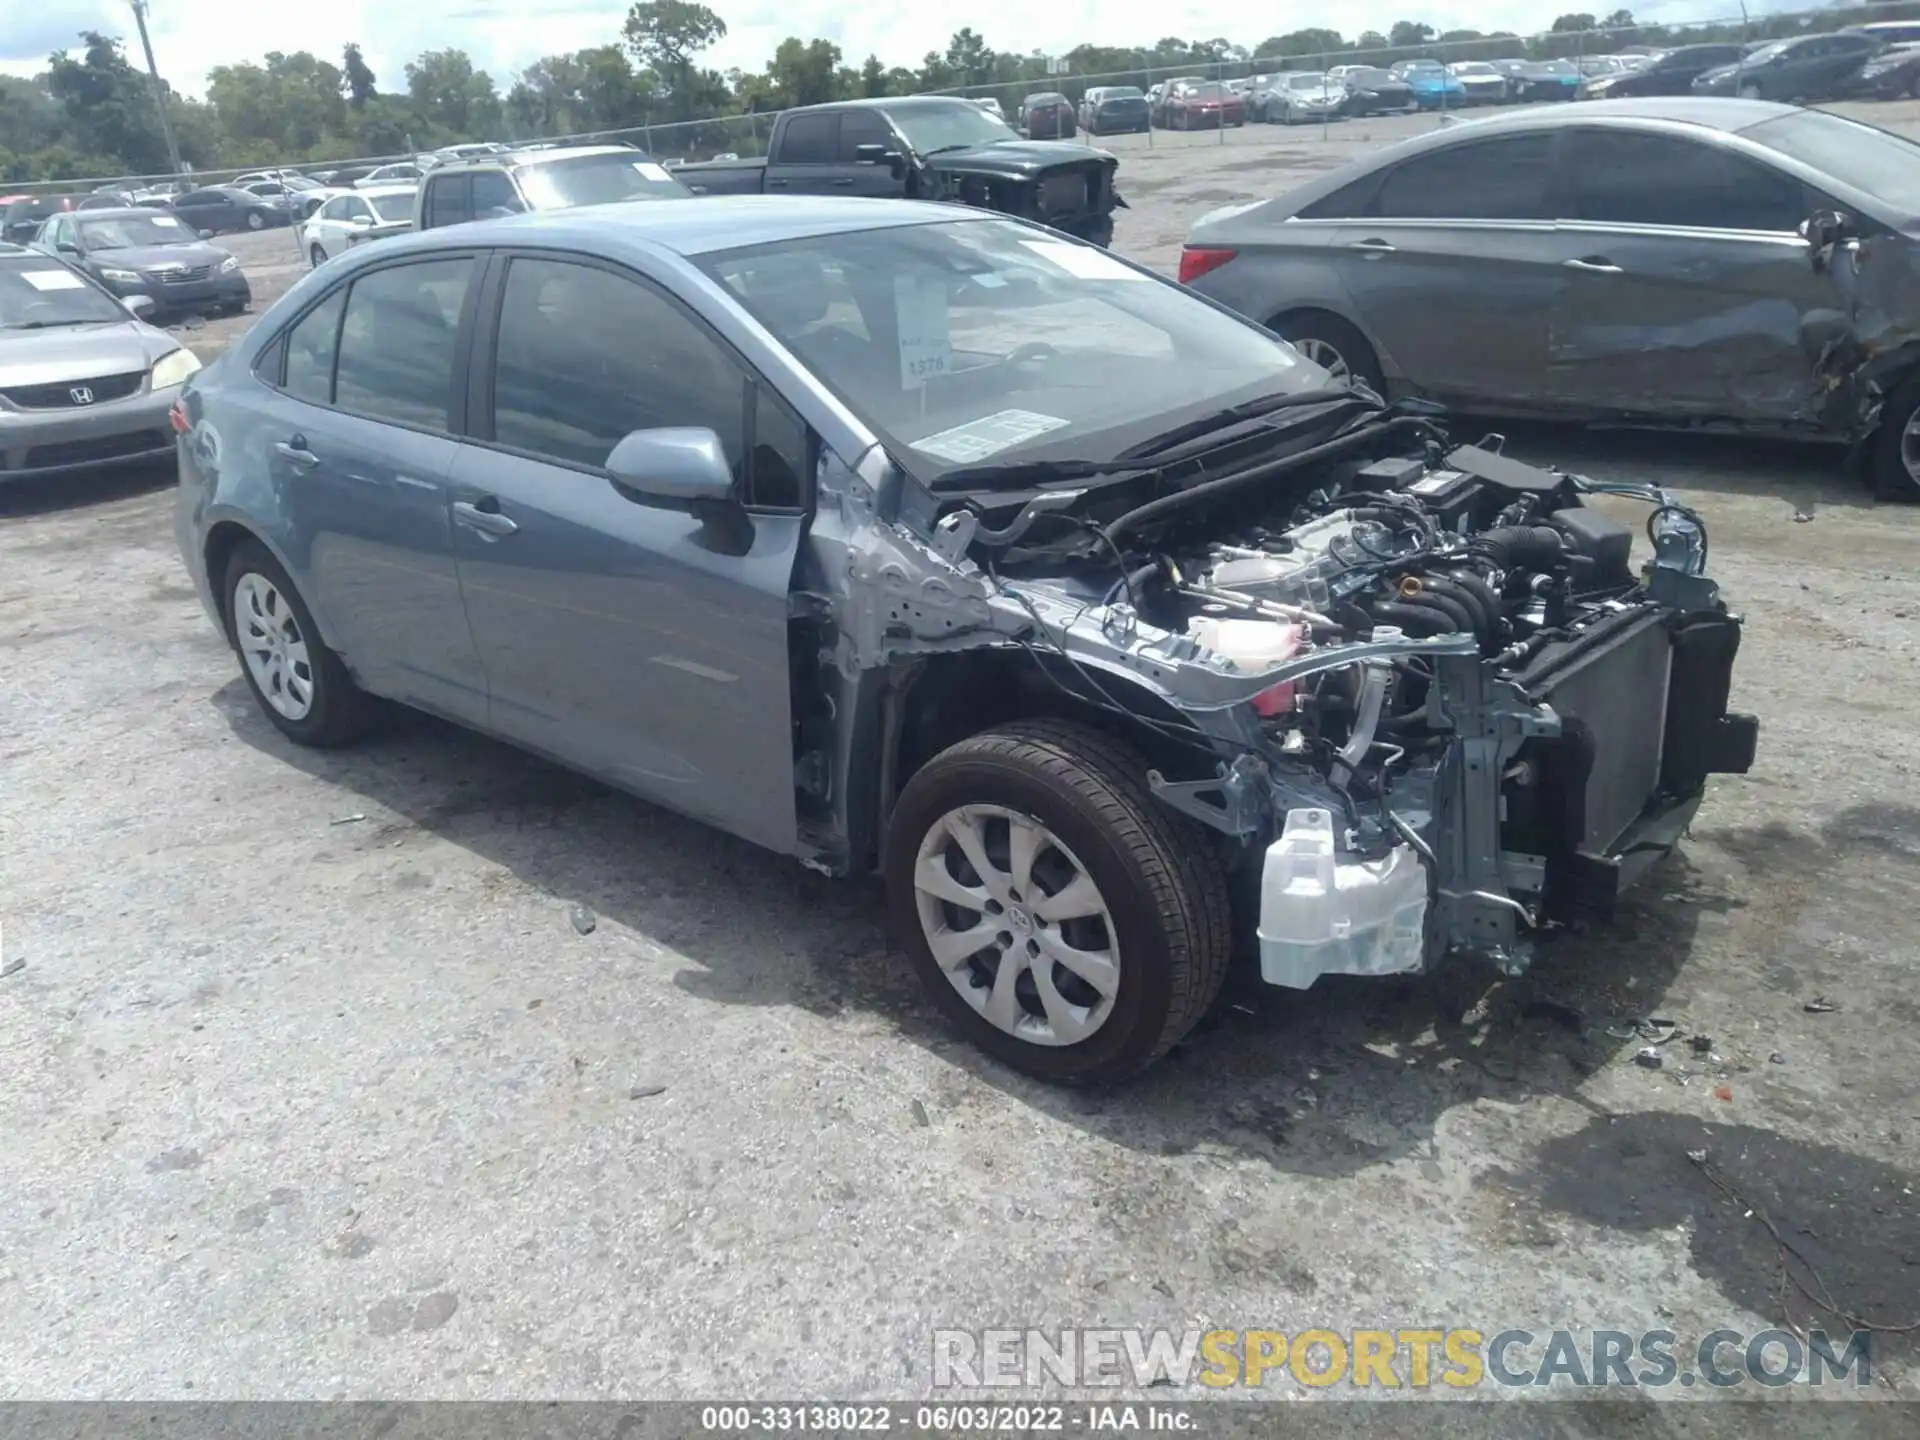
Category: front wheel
[1061,918]
[300,685]
[1896,459]
[1749,92]
[1333,345]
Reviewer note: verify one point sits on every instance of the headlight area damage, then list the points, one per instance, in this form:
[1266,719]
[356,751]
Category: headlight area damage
[1419,692]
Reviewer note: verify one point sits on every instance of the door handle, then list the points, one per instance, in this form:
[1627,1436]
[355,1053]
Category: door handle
[1372,247]
[772,183]
[844,180]
[296,453]
[483,515]
[1593,267]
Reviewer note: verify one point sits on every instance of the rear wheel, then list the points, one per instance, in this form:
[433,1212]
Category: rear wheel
[318,256]
[1333,345]
[1060,917]
[1749,92]
[300,685]
[256,221]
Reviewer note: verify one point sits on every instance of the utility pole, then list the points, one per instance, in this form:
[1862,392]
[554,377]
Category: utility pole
[159,91]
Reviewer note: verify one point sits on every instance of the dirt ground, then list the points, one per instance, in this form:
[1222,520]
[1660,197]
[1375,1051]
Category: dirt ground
[315,1089]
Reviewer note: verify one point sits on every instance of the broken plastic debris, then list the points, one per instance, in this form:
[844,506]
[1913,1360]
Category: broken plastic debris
[1701,1044]
[583,919]
[347,820]
[1802,517]
[1819,1005]
[1723,1092]
[646,1092]
[1650,1057]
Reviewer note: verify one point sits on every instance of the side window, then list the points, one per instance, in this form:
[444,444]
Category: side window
[449,201]
[358,208]
[494,195]
[1346,202]
[809,139]
[397,342]
[782,455]
[862,127]
[585,356]
[310,348]
[1632,178]
[1493,180]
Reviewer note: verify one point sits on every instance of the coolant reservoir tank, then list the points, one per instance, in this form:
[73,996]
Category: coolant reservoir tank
[1252,645]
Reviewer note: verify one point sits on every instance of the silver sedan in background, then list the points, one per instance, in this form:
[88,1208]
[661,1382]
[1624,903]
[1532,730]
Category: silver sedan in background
[1701,262]
[83,381]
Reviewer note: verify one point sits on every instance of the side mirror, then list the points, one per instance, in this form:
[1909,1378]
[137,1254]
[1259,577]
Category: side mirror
[361,222]
[677,464]
[67,247]
[204,234]
[139,306]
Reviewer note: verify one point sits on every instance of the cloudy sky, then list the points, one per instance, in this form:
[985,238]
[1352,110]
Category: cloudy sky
[192,36]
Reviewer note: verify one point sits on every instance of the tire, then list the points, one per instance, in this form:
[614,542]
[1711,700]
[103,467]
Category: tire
[317,256]
[1749,92]
[1160,888]
[1315,331]
[338,711]
[255,220]
[1893,479]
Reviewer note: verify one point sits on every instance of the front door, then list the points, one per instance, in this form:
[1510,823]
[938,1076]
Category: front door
[1690,294]
[1453,268]
[635,640]
[360,442]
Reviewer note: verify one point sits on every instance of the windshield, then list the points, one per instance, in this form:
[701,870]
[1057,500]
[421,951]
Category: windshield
[1121,92]
[1411,65]
[928,128]
[1767,52]
[396,206]
[37,295]
[1874,161]
[1474,67]
[1555,67]
[128,232]
[1306,82]
[1369,77]
[598,180]
[986,342]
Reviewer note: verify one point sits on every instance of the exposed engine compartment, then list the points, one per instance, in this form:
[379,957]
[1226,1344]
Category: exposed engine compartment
[1448,712]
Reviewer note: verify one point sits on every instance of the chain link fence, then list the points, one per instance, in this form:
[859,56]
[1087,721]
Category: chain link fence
[746,136]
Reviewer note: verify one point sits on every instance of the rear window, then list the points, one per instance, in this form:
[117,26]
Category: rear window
[1874,161]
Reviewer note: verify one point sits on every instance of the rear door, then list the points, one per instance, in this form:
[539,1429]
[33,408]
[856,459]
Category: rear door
[361,438]
[1688,290]
[639,641]
[1453,268]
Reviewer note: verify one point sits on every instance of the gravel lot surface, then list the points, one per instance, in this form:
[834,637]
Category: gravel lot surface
[315,1088]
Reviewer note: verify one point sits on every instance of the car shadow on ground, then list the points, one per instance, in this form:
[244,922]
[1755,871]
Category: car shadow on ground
[1325,1082]
[44,494]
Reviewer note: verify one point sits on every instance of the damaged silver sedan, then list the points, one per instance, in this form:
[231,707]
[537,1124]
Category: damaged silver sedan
[1693,262]
[1125,641]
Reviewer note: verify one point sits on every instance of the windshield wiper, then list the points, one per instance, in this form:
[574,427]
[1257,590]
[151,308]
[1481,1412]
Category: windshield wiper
[957,145]
[1235,414]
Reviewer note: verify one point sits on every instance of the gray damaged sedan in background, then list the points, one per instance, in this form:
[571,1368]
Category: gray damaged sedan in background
[888,535]
[83,381]
[1707,263]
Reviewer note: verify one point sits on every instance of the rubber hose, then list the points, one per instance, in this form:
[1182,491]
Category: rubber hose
[1373,696]
[1418,622]
[1513,547]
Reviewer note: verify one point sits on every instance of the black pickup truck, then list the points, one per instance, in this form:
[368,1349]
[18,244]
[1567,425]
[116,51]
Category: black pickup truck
[925,147]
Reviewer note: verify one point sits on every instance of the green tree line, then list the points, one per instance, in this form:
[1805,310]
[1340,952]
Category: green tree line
[92,114]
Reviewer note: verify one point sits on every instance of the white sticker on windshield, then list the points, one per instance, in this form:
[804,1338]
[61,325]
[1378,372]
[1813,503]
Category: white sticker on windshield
[1082,261]
[166,222]
[920,310]
[650,171]
[53,280]
[989,435]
